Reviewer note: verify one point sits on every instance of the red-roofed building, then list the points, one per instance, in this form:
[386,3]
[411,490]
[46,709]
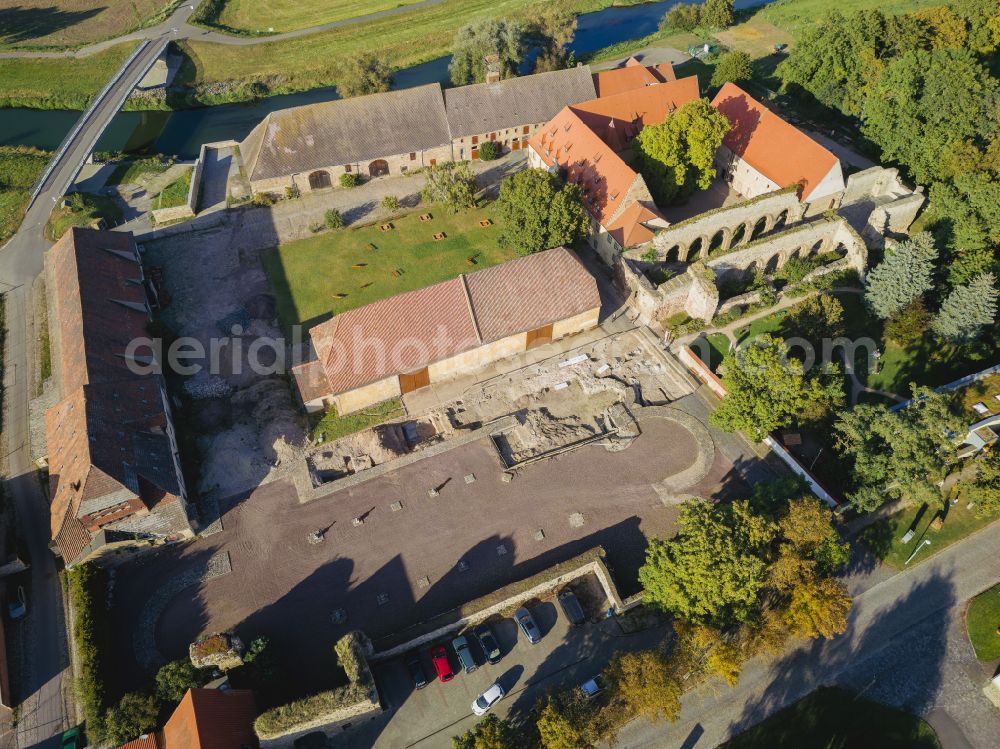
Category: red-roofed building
[405,342]
[207,719]
[114,468]
[763,153]
[584,144]
[632,75]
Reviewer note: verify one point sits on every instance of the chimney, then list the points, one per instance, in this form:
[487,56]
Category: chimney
[492,68]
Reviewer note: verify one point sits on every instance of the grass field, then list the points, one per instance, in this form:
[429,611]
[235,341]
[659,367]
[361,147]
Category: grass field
[306,276]
[83,210]
[289,15]
[19,168]
[983,621]
[832,718]
[176,193]
[129,171]
[884,537]
[330,426]
[72,23]
[59,83]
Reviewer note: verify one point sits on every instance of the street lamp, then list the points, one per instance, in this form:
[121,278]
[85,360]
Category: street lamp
[926,542]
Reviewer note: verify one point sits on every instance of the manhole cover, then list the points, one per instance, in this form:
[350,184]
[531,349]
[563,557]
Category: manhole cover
[339,616]
[576,520]
[382,599]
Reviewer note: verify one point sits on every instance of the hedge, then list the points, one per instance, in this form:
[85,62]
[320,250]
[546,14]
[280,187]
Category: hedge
[88,585]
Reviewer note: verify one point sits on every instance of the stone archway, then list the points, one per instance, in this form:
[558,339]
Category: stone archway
[739,235]
[673,255]
[781,219]
[718,241]
[378,168]
[696,248]
[319,180]
[773,263]
[816,248]
[759,227]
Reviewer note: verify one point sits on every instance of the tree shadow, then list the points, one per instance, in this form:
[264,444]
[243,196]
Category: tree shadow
[21,24]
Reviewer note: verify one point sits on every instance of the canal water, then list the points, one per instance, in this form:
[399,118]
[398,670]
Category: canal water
[181,133]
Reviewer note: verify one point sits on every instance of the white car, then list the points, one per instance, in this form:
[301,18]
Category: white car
[488,699]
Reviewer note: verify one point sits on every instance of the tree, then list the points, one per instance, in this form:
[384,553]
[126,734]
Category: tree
[984,491]
[943,27]
[818,608]
[552,32]
[489,150]
[494,38]
[681,17]
[732,67]
[717,14]
[133,716]
[967,310]
[807,530]
[348,180]
[711,571]
[966,217]
[538,210]
[908,324]
[768,390]
[645,683]
[365,73]
[677,155]
[450,184]
[898,453]
[333,219]
[562,722]
[902,276]
[925,102]
[174,679]
[819,317]
[491,732]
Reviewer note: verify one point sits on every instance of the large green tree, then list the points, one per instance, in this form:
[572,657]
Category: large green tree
[900,453]
[966,217]
[925,104]
[677,155]
[492,732]
[450,184]
[904,275]
[494,37]
[732,67]
[644,681]
[134,715]
[766,389]
[538,210]
[967,310]
[174,679]
[717,14]
[365,73]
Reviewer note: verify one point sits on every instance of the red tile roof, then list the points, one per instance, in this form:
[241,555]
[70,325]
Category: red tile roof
[213,719]
[148,741]
[775,148]
[632,76]
[412,330]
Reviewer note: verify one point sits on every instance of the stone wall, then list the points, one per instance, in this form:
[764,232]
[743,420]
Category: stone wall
[175,213]
[692,293]
[508,138]
[329,724]
[727,227]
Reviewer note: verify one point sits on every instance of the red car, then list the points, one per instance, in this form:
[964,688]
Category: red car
[439,657]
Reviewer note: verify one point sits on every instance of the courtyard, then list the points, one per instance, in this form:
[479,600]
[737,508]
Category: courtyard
[402,565]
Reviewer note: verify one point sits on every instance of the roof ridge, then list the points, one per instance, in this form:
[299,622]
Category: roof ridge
[472,310]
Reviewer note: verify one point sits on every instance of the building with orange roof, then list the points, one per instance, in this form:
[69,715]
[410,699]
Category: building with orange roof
[585,143]
[762,152]
[409,341]
[632,75]
[206,719]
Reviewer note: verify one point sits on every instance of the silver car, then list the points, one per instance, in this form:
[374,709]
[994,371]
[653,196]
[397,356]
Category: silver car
[488,699]
[527,624]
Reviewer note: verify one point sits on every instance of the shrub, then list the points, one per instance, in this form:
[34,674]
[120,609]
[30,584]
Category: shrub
[649,255]
[133,716]
[263,198]
[908,324]
[291,192]
[489,150]
[390,203]
[333,218]
[174,679]
[350,180]
[87,591]
[682,17]
[732,67]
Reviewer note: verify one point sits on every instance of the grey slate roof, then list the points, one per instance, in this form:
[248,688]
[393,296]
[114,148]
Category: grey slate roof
[487,107]
[346,131]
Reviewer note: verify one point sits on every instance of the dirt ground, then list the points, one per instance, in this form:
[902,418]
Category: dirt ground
[285,588]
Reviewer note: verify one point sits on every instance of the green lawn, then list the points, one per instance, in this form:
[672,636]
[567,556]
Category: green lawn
[60,82]
[884,537]
[176,193]
[929,362]
[72,23]
[83,210]
[19,168]
[832,718]
[129,171]
[289,15]
[983,621]
[308,275]
[331,426]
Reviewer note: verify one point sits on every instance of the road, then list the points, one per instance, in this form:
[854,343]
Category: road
[45,680]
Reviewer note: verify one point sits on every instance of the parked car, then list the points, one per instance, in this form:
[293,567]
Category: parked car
[491,649]
[527,624]
[592,687]
[571,607]
[488,699]
[464,653]
[17,603]
[416,670]
[439,657]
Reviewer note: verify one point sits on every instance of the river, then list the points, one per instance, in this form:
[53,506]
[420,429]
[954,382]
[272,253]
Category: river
[182,132]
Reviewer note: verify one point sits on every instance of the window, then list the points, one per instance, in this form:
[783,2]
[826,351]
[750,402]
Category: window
[475,139]
[413,156]
[493,136]
[434,162]
[347,168]
[403,168]
[525,131]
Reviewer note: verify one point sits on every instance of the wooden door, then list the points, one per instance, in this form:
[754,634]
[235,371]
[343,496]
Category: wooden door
[414,381]
[539,336]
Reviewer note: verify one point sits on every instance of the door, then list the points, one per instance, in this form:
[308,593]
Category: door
[378,168]
[414,381]
[539,337]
